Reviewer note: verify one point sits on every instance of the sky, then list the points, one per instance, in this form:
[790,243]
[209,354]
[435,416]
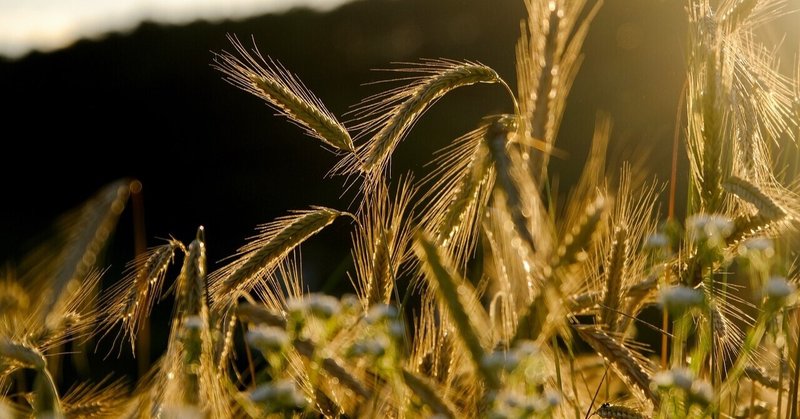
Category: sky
[46,25]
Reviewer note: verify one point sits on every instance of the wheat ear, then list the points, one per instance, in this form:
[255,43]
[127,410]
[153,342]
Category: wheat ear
[612,411]
[88,235]
[104,399]
[626,363]
[381,242]
[19,354]
[615,273]
[191,283]
[548,57]
[427,392]
[190,332]
[284,92]
[752,194]
[451,288]
[736,13]
[572,247]
[79,319]
[497,138]
[131,300]
[262,255]
[389,116]
[189,374]
[45,394]
[761,376]
[530,324]
[461,182]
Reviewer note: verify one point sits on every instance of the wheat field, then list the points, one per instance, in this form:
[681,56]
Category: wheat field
[477,291]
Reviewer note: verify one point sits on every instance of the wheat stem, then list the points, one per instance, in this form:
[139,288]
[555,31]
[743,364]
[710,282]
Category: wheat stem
[795,391]
[46,402]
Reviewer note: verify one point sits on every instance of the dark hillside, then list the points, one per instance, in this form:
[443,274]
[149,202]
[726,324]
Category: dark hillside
[148,105]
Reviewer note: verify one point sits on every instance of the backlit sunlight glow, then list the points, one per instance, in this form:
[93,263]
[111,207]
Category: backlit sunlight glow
[46,25]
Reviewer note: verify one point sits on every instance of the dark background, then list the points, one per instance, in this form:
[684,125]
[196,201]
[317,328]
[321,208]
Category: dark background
[148,105]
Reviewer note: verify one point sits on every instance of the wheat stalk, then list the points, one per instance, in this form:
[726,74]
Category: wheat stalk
[46,402]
